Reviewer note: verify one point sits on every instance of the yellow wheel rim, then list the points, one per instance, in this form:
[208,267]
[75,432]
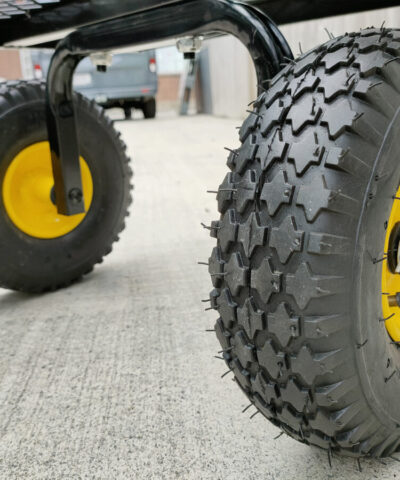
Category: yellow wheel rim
[391,279]
[27,188]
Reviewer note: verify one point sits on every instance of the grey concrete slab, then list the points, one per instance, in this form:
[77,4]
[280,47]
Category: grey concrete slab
[114,377]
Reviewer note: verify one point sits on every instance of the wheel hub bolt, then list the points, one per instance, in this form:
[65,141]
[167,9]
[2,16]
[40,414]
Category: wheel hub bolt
[75,195]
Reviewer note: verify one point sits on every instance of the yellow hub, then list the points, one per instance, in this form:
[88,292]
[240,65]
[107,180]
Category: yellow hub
[27,190]
[390,278]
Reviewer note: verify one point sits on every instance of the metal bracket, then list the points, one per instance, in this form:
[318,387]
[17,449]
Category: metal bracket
[101,60]
[189,46]
[186,18]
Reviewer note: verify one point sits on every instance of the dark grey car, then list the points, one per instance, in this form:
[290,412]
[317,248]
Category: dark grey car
[130,81]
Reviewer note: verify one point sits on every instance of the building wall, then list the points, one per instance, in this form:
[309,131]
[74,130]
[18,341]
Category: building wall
[168,90]
[231,76]
[231,73]
[10,64]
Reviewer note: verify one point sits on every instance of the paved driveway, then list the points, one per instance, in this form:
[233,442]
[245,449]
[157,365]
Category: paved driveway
[114,378]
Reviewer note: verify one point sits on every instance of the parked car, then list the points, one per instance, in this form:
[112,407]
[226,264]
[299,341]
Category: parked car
[130,81]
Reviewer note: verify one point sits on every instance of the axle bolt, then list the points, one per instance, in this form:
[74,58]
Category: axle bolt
[75,195]
[394,300]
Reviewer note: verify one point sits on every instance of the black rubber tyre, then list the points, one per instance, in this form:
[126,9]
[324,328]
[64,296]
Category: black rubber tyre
[128,113]
[297,270]
[33,264]
[149,108]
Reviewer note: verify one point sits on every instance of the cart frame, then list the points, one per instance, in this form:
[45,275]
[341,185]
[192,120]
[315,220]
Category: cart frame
[104,26]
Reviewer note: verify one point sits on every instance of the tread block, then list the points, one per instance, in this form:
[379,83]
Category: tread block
[274,115]
[286,239]
[339,42]
[225,192]
[394,34]
[341,57]
[277,90]
[243,349]
[265,280]
[309,366]
[251,234]
[263,387]
[263,407]
[277,192]
[305,111]
[246,190]
[214,294]
[367,32]
[305,63]
[251,318]
[319,440]
[227,229]
[236,274]
[339,118]
[216,267]
[272,360]
[226,308]
[289,418]
[363,87]
[336,84]
[330,395]
[242,375]
[394,48]
[215,226]
[249,125]
[327,244]
[323,422]
[231,160]
[370,63]
[323,326]
[316,197]
[302,84]
[284,73]
[223,335]
[246,153]
[295,395]
[304,285]
[306,152]
[283,325]
[372,42]
[260,101]
[271,151]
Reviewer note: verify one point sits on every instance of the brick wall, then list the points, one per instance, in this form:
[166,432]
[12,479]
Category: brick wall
[168,92]
[10,64]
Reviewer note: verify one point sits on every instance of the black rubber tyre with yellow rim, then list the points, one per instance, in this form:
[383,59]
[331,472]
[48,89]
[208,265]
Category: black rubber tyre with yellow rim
[305,270]
[40,249]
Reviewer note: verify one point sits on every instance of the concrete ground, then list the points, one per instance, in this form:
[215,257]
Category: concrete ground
[114,377]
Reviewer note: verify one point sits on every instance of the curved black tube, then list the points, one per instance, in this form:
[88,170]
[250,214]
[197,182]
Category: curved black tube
[185,18]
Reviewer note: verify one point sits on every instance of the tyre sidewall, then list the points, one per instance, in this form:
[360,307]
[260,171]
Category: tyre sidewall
[378,357]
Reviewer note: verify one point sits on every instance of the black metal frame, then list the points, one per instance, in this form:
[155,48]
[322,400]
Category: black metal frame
[253,28]
[55,15]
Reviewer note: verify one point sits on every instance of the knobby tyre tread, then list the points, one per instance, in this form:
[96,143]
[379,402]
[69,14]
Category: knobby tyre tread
[284,265]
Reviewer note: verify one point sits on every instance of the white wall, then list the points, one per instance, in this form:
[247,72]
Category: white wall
[232,77]
[313,32]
